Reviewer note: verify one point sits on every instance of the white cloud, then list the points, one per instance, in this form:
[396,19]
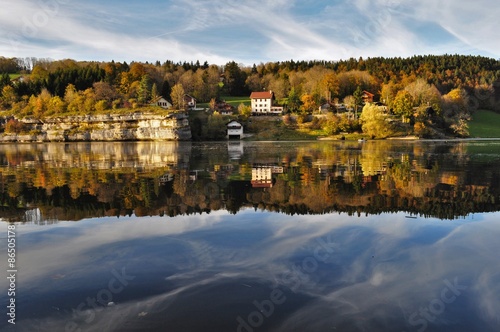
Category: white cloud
[255,31]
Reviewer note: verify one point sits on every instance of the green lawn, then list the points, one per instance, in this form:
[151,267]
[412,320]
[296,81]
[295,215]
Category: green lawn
[485,124]
[234,101]
[14,76]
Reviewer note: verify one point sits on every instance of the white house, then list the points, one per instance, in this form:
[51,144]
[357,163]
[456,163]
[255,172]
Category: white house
[234,130]
[262,103]
[162,102]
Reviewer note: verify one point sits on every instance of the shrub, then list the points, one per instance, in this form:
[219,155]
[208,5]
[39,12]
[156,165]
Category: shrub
[14,126]
[289,120]
[101,106]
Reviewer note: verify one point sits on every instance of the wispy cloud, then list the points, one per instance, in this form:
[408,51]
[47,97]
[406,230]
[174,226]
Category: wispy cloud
[252,31]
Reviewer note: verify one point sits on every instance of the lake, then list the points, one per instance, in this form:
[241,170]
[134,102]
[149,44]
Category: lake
[251,236]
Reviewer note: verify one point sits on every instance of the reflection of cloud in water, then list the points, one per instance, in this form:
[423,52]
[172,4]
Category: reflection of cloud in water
[380,271]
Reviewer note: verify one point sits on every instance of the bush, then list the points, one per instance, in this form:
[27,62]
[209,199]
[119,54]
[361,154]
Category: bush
[331,125]
[289,120]
[13,126]
[303,118]
[101,106]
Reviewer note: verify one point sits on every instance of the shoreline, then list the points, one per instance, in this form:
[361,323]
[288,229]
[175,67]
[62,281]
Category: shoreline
[398,139]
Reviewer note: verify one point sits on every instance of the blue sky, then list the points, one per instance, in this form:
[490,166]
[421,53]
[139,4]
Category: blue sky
[247,32]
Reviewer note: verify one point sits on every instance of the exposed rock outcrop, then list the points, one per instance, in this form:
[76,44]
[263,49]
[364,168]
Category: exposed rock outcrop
[131,127]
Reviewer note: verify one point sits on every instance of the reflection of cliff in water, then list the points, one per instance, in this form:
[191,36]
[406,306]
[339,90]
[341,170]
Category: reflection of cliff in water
[76,181]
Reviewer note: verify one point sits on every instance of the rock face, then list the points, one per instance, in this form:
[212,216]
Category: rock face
[132,127]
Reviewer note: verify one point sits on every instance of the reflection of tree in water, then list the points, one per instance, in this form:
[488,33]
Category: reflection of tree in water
[439,181]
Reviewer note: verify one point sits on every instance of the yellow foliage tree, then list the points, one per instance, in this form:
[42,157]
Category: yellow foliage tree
[375,121]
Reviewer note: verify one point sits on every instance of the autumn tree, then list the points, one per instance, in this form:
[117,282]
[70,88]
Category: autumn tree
[126,80]
[313,82]
[137,71]
[254,83]
[349,81]
[350,103]
[177,96]
[280,87]
[56,106]
[8,97]
[245,110]
[308,104]
[388,93]
[105,91]
[375,121]
[332,124]
[423,93]
[14,126]
[456,112]
[70,93]
[41,106]
[330,85]
[39,73]
[89,101]
[403,105]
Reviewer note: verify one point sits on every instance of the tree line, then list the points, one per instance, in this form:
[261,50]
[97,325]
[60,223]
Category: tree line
[453,85]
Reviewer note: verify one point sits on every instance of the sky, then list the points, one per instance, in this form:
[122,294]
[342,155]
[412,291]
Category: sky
[251,31]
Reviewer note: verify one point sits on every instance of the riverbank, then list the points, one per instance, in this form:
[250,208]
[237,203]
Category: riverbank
[181,126]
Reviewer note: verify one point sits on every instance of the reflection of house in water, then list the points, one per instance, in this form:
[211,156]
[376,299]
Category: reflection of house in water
[262,176]
[193,175]
[235,149]
[221,172]
[167,177]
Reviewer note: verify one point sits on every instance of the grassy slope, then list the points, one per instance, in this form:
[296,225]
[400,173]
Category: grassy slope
[485,124]
[234,101]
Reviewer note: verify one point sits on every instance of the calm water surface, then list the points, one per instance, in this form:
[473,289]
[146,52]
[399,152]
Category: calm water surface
[244,236]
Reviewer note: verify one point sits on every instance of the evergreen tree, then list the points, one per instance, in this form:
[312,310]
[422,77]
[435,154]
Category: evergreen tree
[234,79]
[166,90]
[144,93]
[4,80]
[154,92]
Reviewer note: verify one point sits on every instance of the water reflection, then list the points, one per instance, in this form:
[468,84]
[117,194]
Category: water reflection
[220,273]
[75,181]
[189,237]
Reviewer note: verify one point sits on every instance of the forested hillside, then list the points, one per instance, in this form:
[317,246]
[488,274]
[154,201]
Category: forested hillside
[418,94]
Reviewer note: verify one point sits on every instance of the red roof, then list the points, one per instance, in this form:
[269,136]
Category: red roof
[261,95]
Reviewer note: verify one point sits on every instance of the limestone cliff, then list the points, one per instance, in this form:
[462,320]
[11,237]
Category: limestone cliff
[131,127]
